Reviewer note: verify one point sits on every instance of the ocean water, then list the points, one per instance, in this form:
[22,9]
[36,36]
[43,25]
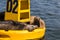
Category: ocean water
[49,11]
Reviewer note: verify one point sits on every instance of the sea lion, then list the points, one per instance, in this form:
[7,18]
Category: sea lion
[9,25]
[35,20]
[30,27]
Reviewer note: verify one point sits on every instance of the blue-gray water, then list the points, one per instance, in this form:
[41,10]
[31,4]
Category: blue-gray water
[49,11]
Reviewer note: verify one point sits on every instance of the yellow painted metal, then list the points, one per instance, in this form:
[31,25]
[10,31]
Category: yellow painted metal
[23,34]
[21,13]
[5,39]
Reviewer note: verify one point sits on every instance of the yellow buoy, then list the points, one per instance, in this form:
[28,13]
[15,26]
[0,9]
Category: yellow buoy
[19,10]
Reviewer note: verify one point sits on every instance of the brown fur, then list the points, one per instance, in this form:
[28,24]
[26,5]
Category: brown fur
[5,25]
[30,27]
[35,21]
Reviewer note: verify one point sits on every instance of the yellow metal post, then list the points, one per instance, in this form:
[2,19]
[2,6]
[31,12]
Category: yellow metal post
[18,10]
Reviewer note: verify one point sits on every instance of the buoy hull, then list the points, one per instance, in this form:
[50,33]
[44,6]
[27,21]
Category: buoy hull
[22,35]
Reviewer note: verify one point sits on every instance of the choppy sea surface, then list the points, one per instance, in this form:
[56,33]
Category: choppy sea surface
[49,11]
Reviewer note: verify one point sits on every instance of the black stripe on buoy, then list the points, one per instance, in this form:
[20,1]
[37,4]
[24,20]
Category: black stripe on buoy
[2,16]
